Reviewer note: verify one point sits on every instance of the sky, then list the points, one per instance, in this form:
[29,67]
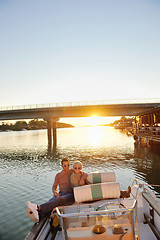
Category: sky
[78,50]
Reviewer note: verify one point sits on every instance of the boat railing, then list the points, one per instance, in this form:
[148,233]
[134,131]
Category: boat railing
[136,181]
[95,214]
[144,186]
[106,211]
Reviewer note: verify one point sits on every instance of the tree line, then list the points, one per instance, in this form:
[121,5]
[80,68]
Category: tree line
[34,124]
[123,119]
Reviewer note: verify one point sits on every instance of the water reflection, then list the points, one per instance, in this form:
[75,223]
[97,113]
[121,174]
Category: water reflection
[94,135]
[28,167]
[51,150]
[148,164]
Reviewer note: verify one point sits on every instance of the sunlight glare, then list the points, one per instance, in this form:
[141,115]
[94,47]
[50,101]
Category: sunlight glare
[94,135]
[94,120]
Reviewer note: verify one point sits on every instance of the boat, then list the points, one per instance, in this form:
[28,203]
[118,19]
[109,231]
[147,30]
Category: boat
[100,213]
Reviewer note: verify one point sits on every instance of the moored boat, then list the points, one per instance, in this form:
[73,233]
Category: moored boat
[100,213]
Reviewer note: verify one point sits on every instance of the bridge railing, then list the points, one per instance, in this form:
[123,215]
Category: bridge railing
[81,103]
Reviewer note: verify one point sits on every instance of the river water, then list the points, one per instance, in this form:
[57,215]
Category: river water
[28,167]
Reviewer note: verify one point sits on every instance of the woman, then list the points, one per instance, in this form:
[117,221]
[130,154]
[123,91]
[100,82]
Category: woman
[78,177]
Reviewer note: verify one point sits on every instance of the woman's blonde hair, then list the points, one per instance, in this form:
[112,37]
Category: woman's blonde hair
[77,163]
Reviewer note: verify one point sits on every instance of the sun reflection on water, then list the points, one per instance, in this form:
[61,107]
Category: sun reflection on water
[94,135]
[97,135]
[26,165]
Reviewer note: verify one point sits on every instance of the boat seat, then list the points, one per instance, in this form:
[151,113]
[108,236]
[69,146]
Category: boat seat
[96,192]
[97,177]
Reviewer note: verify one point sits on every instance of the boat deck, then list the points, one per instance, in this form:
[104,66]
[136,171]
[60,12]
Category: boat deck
[59,235]
[44,231]
[140,217]
[145,232]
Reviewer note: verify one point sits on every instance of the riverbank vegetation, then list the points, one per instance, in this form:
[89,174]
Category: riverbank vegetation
[34,124]
[128,121]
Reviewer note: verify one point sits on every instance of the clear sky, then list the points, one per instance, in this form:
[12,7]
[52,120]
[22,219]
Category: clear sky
[78,50]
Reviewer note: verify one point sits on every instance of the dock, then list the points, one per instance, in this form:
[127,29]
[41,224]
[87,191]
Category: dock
[147,128]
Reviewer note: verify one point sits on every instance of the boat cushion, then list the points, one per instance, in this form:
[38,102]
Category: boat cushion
[97,177]
[97,191]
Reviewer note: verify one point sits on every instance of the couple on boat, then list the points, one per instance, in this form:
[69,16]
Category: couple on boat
[66,180]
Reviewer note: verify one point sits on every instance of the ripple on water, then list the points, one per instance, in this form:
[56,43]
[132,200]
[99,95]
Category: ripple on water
[28,168]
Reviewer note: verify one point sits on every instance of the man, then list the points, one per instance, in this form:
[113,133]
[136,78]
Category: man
[63,197]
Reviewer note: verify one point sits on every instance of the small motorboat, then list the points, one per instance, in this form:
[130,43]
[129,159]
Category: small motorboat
[100,213]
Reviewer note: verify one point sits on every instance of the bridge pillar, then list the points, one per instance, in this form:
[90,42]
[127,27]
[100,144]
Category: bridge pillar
[49,133]
[54,134]
[52,131]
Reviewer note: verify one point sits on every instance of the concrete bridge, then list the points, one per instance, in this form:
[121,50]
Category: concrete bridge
[78,109]
[52,112]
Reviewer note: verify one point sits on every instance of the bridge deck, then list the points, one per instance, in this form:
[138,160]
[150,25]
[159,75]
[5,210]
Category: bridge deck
[74,110]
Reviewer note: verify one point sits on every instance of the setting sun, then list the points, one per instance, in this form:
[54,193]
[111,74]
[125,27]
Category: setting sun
[94,121]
